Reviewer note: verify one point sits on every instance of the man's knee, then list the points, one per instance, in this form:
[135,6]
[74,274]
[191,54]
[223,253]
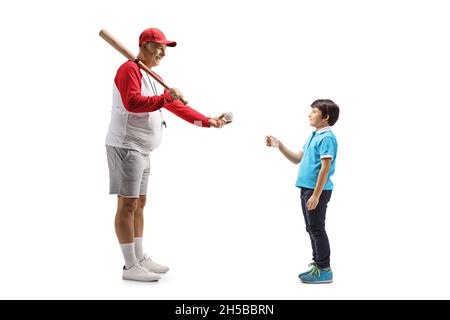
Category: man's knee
[127,206]
[142,201]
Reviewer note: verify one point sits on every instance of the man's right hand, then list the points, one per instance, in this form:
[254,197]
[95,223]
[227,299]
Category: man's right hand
[272,142]
[218,122]
[175,94]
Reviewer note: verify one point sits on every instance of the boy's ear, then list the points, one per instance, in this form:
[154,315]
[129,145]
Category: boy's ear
[327,117]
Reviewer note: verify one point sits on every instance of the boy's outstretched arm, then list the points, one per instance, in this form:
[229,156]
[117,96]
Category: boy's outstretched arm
[290,155]
[312,202]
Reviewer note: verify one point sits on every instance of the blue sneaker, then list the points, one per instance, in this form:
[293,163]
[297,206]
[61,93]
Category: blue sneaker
[312,264]
[317,275]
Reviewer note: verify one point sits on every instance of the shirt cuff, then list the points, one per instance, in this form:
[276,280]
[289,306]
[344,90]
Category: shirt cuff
[167,97]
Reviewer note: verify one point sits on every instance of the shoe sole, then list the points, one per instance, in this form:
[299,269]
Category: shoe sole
[129,279]
[313,282]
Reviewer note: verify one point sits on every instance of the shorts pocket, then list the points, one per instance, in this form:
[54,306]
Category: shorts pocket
[122,153]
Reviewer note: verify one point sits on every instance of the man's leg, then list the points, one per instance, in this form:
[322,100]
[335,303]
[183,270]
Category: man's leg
[139,227]
[124,225]
[125,172]
[145,261]
[139,216]
[124,222]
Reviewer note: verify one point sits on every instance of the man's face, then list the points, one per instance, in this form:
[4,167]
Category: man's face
[155,52]
[316,118]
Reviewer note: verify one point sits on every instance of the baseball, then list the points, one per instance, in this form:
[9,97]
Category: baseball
[228,116]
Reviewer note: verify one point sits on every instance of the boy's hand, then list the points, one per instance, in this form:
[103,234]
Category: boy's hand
[272,142]
[312,202]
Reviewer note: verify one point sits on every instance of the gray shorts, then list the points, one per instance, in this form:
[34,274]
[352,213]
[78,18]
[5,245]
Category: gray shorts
[128,172]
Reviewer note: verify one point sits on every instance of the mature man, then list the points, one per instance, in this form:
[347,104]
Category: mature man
[135,130]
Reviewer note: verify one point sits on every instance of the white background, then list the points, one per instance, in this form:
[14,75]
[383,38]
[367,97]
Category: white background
[223,210]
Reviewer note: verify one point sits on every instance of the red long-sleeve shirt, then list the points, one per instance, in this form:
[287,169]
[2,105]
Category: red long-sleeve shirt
[136,115]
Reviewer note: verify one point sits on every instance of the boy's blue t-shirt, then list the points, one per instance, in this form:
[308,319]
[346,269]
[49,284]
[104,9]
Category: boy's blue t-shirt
[321,144]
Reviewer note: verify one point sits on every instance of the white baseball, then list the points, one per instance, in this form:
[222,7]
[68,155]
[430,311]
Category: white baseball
[228,116]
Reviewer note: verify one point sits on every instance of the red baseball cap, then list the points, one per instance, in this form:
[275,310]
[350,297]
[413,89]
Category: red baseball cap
[155,35]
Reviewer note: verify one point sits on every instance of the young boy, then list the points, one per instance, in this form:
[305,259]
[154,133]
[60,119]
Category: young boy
[317,162]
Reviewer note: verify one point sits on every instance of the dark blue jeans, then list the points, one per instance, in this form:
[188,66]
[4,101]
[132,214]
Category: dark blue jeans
[315,226]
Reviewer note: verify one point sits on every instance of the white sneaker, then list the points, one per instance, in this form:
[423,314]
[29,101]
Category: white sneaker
[152,266]
[138,273]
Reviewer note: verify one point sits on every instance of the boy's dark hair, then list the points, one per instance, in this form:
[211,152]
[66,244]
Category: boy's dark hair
[328,108]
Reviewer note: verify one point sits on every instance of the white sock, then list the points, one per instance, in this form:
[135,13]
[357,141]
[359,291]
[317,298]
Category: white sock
[128,254]
[139,249]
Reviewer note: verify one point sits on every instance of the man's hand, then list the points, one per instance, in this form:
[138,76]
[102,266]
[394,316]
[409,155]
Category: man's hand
[312,202]
[176,94]
[272,142]
[218,122]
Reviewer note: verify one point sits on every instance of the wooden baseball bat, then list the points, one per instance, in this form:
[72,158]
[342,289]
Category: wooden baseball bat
[130,56]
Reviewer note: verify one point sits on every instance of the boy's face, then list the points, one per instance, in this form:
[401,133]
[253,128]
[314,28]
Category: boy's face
[316,118]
